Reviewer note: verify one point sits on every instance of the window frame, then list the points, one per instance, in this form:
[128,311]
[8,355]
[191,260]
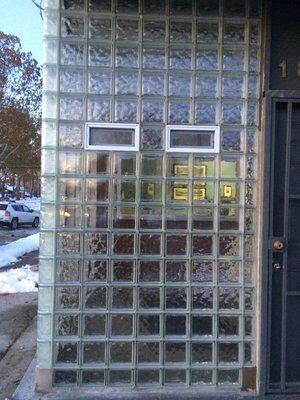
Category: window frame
[215,149]
[135,127]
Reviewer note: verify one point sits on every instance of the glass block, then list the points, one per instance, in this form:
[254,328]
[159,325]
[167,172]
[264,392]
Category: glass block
[45,299]
[176,271]
[202,245]
[72,27]
[180,31]
[70,162]
[68,243]
[68,270]
[203,218]
[248,353]
[95,297]
[123,244]
[150,244]
[149,271]
[228,352]
[151,191]
[151,138]
[201,353]
[100,28]
[96,217]
[176,244]
[249,272]
[153,111]
[207,59]
[229,298]
[127,57]
[127,29]
[148,324]
[154,58]
[119,377]
[69,189]
[248,326]
[71,108]
[254,59]
[100,56]
[97,163]
[204,166]
[229,245]
[179,112]
[206,113]
[44,327]
[51,4]
[180,58]
[206,85]
[230,167]
[200,377]
[95,243]
[70,135]
[77,5]
[50,78]
[66,325]
[46,271]
[234,33]
[208,8]
[71,53]
[153,84]
[253,86]
[149,297]
[123,271]
[122,297]
[48,189]
[175,376]
[232,86]
[70,216]
[121,325]
[49,130]
[124,217]
[94,324]
[148,377]
[249,298]
[207,32]
[65,377]
[202,297]
[71,81]
[176,218]
[175,325]
[180,85]
[50,50]
[126,82]
[234,8]
[148,352]
[179,7]
[175,297]
[96,190]
[249,193]
[228,271]
[202,325]
[229,192]
[228,325]
[233,60]
[249,246]
[202,271]
[175,352]
[154,31]
[154,7]
[124,164]
[66,353]
[100,6]
[95,270]
[120,352]
[125,190]
[98,109]
[252,113]
[232,113]
[92,377]
[49,106]
[99,82]
[127,6]
[126,111]
[67,297]
[231,140]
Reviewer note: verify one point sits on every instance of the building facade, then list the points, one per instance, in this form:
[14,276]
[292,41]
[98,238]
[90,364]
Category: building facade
[161,123]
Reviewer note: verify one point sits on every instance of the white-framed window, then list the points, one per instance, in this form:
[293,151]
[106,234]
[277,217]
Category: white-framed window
[192,139]
[112,136]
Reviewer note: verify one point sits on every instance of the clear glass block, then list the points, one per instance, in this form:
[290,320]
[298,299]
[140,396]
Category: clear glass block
[93,377]
[202,271]
[95,270]
[126,82]
[150,244]
[232,86]
[47,215]
[203,218]
[66,325]
[151,165]
[44,354]
[100,28]
[153,84]
[175,325]
[99,82]
[98,109]
[228,325]
[68,270]
[123,271]
[232,113]
[175,376]
[95,243]
[120,352]
[120,377]
[72,27]
[45,298]
[125,190]
[124,217]
[50,78]
[152,138]
[46,271]
[231,140]
[204,166]
[149,297]
[201,353]
[206,112]
[230,167]
[97,163]
[71,108]
[179,111]
[69,189]
[71,81]
[202,245]
[203,192]
[126,110]
[254,34]
[252,113]
[48,185]
[154,7]
[76,5]
[50,52]
[202,298]
[233,60]
[44,326]
[208,8]
[70,216]
[154,58]
[253,86]
[176,298]
[127,57]
[70,162]
[249,246]
[151,190]
[229,245]
[122,297]
[228,271]
[94,324]
[49,130]
[121,325]
[176,244]
[127,6]
[147,377]
[67,297]
[70,135]
[123,244]
[175,352]
[100,56]
[200,377]
[234,8]
[207,59]
[180,32]
[96,217]
[148,324]
[71,53]
[149,271]
[202,325]
[47,245]
[228,352]
[180,85]
[93,352]
[65,377]
[153,111]
[176,218]
[207,32]
[94,297]
[68,243]
[234,33]
[180,58]
[154,31]
[206,85]
[100,6]
[176,271]
[229,298]
[49,106]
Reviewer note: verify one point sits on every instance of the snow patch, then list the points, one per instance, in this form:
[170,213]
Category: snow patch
[9,253]
[34,203]
[18,280]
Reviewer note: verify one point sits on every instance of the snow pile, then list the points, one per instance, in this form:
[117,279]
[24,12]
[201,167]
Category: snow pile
[9,253]
[18,280]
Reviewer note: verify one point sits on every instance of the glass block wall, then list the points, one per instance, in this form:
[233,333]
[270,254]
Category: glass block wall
[147,266]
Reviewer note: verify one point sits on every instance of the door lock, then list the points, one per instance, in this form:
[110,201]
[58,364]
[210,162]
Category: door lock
[278,245]
[277,266]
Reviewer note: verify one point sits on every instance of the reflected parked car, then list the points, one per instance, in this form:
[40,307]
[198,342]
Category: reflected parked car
[15,214]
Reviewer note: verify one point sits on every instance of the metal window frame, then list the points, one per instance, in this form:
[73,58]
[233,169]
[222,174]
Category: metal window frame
[203,128]
[135,127]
